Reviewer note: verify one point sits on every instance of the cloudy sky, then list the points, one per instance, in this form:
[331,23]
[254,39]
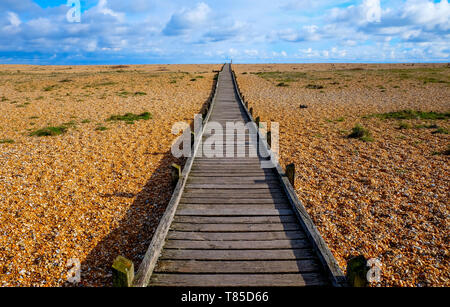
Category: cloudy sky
[212,31]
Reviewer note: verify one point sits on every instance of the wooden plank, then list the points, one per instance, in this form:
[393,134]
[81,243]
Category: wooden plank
[220,208]
[225,181]
[234,212]
[234,187]
[237,236]
[234,227]
[235,219]
[229,245]
[238,280]
[215,267]
[266,254]
[227,192]
[217,201]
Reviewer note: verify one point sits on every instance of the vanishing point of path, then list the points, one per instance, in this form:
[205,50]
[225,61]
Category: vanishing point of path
[234,224]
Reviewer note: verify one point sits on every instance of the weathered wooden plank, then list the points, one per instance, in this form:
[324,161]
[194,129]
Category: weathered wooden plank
[235,219]
[238,280]
[237,236]
[225,181]
[266,254]
[234,187]
[252,267]
[234,212]
[234,227]
[229,245]
[220,208]
[227,192]
[222,201]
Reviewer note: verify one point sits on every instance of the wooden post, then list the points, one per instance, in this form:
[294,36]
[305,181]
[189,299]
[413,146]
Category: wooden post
[257,120]
[176,173]
[123,272]
[246,104]
[290,173]
[269,139]
[251,111]
[192,139]
[357,272]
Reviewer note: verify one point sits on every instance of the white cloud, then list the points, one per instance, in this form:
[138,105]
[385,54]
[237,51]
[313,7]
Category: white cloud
[102,8]
[187,19]
[13,19]
[428,14]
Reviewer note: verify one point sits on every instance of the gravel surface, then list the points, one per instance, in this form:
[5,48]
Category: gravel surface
[387,198]
[90,193]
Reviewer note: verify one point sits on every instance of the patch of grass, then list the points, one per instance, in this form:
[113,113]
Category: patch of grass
[49,88]
[411,114]
[40,98]
[65,81]
[101,128]
[245,73]
[282,84]
[140,94]
[4,98]
[124,94]
[23,105]
[50,131]
[432,126]
[441,130]
[34,117]
[130,118]
[314,86]
[6,141]
[361,133]
[193,79]
[85,121]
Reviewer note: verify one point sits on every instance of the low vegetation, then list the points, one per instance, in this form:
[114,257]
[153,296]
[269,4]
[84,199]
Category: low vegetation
[50,131]
[6,141]
[130,118]
[411,114]
[314,86]
[361,133]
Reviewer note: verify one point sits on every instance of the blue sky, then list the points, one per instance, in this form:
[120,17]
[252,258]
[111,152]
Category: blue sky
[248,31]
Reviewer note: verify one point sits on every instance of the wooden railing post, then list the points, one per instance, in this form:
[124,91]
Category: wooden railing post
[269,138]
[257,120]
[290,173]
[251,111]
[122,272]
[357,272]
[175,171]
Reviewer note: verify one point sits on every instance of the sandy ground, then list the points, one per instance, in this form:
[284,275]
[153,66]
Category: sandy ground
[87,194]
[385,199]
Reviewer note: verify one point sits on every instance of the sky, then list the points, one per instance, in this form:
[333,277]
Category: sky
[213,31]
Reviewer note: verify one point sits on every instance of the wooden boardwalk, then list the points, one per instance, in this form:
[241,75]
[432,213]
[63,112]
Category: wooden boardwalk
[234,223]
